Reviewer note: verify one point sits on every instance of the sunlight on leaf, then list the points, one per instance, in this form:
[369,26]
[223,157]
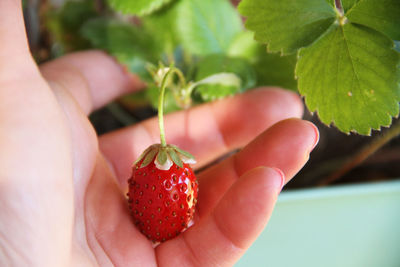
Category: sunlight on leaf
[350,77]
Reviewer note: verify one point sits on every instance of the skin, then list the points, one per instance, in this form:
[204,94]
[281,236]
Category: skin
[62,187]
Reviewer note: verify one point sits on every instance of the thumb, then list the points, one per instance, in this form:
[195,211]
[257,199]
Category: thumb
[14,49]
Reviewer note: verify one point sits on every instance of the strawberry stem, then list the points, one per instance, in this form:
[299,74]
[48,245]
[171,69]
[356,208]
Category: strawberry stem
[161,109]
[339,7]
[164,83]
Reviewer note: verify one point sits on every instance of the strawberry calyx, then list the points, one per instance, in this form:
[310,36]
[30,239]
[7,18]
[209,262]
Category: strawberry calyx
[164,157]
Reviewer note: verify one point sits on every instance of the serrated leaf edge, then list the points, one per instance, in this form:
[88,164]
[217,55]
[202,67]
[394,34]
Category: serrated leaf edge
[368,132]
[267,43]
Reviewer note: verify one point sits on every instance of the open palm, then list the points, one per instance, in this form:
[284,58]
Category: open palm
[62,188]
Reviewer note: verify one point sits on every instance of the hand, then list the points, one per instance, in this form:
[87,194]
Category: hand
[62,188]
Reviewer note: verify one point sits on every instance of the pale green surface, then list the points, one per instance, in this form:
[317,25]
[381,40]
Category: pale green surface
[349,226]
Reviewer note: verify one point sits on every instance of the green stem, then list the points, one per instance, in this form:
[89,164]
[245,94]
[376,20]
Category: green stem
[181,77]
[339,7]
[161,109]
[163,86]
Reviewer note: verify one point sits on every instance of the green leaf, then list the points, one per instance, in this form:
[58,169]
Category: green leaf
[118,38]
[162,157]
[64,25]
[244,46]
[144,153]
[397,46]
[287,25]
[129,44]
[223,78]
[347,4]
[382,15]
[73,14]
[218,85]
[207,26]
[270,68]
[183,152]
[213,92]
[350,77]
[275,70]
[175,158]
[137,7]
[161,26]
[222,64]
[219,63]
[149,157]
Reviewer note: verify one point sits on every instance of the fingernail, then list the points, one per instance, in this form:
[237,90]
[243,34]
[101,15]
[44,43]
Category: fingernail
[282,175]
[316,137]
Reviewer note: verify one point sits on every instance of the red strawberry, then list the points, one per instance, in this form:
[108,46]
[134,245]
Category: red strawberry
[162,192]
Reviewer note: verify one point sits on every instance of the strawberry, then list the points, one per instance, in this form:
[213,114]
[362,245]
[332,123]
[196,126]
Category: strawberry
[162,192]
[163,189]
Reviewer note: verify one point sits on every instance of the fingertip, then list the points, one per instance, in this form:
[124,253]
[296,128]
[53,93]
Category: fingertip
[285,145]
[305,131]
[316,135]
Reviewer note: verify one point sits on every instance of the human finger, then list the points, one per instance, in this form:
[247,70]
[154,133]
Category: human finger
[207,131]
[93,78]
[285,146]
[15,57]
[224,236]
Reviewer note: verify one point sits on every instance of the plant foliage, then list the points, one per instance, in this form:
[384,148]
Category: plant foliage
[347,66]
[339,55]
